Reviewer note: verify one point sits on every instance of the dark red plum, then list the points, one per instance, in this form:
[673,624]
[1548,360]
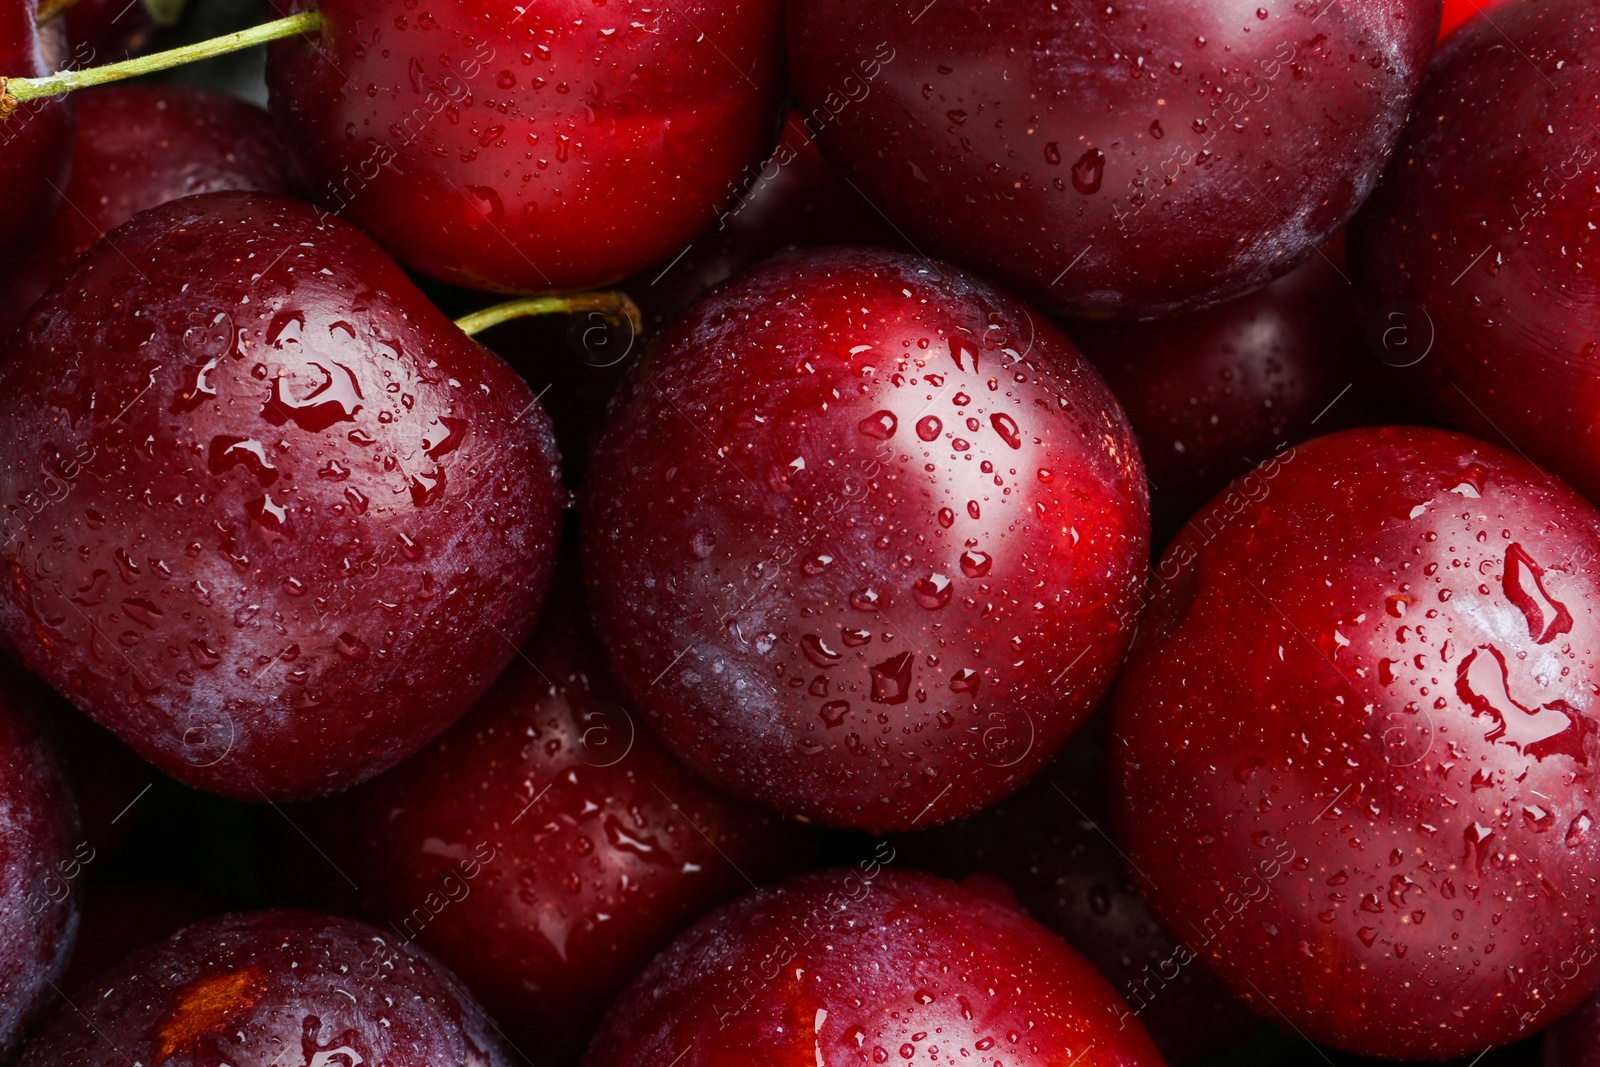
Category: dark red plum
[864,538]
[268,516]
[41,859]
[1212,393]
[547,846]
[561,147]
[1354,750]
[137,146]
[35,138]
[246,989]
[1480,236]
[869,966]
[1127,159]
[1050,845]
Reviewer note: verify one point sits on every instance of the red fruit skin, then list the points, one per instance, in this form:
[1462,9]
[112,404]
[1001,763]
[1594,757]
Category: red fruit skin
[857,476]
[137,146]
[547,846]
[275,546]
[839,966]
[1018,138]
[1050,844]
[36,140]
[1353,750]
[1477,238]
[245,989]
[561,147]
[1212,392]
[39,865]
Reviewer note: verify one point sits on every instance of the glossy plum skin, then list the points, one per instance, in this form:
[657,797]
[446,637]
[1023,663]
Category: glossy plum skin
[547,846]
[1050,845]
[1017,138]
[40,860]
[863,539]
[270,517]
[1354,747]
[1212,392]
[137,146]
[36,149]
[1479,238]
[867,966]
[561,148]
[242,989]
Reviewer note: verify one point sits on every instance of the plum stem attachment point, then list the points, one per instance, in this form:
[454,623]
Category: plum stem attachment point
[17,91]
[614,305]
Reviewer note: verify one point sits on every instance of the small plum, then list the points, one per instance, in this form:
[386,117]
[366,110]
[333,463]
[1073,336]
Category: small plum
[864,538]
[247,989]
[547,846]
[1478,243]
[1354,751]
[1130,159]
[269,516]
[838,967]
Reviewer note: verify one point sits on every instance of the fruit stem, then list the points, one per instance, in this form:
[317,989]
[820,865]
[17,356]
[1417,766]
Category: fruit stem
[613,304]
[15,91]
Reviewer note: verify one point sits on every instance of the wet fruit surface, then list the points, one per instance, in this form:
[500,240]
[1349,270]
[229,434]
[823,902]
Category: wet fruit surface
[1477,242]
[137,146]
[863,539]
[1050,845]
[1126,159]
[547,846]
[267,989]
[270,517]
[40,860]
[870,965]
[38,144]
[1354,751]
[1212,393]
[562,147]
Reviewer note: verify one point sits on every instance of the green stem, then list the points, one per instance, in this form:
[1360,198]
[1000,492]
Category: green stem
[15,91]
[616,305]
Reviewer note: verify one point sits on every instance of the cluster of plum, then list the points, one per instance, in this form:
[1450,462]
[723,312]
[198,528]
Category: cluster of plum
[769,666]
